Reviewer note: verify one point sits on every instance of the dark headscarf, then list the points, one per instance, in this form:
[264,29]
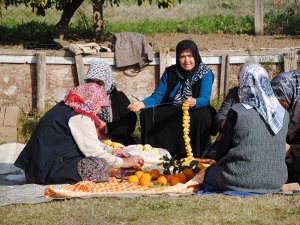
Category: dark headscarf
[183,45]
[188,77]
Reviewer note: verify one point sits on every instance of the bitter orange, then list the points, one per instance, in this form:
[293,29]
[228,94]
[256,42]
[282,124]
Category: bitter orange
[181,177]
[139,173]
[146,176]
[162,180]
[133,179]
[188,173]
[154,173]
[175,180]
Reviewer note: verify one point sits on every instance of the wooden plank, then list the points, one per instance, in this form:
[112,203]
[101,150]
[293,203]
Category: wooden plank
[80,69]
[227,75]
[165,60]
[290,61]
[258,17]
[8,134]
[41,80]
[222,77]
[2,115]
[62,53]
[11,116]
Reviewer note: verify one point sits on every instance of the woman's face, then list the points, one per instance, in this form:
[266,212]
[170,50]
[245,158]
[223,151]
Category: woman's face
[186,60]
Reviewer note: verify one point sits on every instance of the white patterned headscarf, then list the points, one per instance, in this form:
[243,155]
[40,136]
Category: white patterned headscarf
[256,92]
[286,87]
[101,71]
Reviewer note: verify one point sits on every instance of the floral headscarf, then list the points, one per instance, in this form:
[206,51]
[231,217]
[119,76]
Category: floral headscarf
[189,77]
[86,99]
[286,87]
[256,92]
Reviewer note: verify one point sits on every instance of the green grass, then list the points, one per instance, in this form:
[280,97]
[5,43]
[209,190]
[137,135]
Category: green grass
[192,16]
[164,210]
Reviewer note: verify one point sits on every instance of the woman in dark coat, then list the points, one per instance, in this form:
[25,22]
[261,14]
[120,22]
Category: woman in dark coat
[65,147]
[189,81]
[117,121]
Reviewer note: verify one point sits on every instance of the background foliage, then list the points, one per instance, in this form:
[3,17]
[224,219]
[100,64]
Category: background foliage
[20,24]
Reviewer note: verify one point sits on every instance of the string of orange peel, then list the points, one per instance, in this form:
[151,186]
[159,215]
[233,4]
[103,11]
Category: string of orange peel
[186,130]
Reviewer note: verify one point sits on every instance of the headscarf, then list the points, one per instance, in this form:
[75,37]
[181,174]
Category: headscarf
[86,99]
[286,87]
[101,71]
[188,77]
[256,92]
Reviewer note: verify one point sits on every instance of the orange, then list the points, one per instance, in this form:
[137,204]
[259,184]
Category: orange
[139,173]
[162,180]
[154,173]
[188,173]
[201,166]
[145,183]
[175,180]
[169,177]
[181,177]
[146,176]
[133,179]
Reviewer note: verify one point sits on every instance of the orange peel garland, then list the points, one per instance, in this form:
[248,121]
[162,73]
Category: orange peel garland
[186,130]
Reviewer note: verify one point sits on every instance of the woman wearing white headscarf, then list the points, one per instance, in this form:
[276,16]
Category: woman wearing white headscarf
[286,87]
[117,121]
[250,153]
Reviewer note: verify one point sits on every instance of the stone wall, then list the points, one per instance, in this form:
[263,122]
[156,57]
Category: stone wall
[18,82]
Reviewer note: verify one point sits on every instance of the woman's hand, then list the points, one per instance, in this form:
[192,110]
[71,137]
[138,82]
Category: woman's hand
[133,161]
[118,151]
[136,106]
[102,125]
[191,102]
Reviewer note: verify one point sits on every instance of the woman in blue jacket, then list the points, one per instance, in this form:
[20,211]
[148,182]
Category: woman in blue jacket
[190,81]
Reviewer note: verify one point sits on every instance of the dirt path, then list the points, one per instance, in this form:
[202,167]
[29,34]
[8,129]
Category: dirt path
[226,41]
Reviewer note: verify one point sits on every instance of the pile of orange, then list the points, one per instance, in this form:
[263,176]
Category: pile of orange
[145,178]
[154,177]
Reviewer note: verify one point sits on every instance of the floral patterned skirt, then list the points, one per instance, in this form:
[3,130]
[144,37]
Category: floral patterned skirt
[93,169]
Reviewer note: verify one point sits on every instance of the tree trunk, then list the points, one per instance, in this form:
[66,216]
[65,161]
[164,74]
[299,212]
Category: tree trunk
[98,20]
[61,27]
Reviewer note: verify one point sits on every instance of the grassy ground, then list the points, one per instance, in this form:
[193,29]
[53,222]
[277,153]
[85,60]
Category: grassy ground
[192,209]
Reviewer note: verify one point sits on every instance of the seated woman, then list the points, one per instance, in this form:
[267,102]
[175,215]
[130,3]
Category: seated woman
[251,150]
[286,87]
[117,121]
[190,81]
[65,145]
[231,98]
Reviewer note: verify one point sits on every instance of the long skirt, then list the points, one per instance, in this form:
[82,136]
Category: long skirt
[162,127]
